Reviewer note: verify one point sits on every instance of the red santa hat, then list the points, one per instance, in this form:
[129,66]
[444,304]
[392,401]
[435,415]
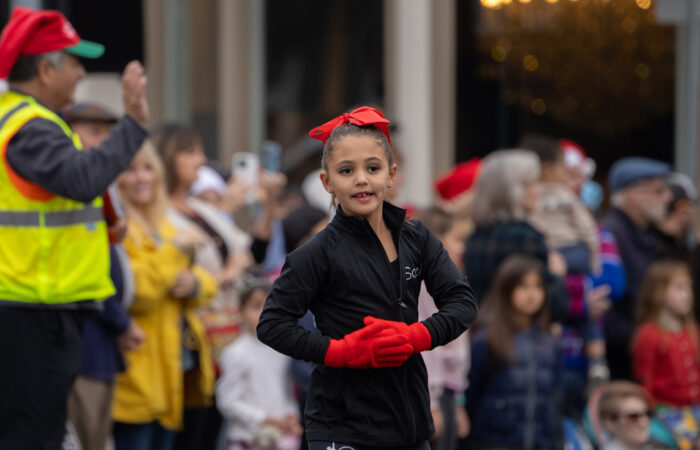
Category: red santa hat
[31,32]
[459,179]
[575,156]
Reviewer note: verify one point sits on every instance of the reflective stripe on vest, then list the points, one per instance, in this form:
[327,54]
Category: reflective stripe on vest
[12,111]
[53,250]
[51,218]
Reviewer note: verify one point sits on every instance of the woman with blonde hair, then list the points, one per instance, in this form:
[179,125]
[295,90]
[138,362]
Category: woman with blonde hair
[506,191]
[148,406]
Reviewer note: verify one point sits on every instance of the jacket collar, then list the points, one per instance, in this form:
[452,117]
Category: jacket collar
[393,216]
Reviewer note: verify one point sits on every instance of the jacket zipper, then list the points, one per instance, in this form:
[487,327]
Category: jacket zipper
[531,405]
[403,306]
[387,266]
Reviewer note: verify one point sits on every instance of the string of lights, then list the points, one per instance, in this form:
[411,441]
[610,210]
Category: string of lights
[601,65]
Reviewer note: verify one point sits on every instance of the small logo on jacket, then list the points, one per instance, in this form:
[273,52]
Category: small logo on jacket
[344,447]
[412,273]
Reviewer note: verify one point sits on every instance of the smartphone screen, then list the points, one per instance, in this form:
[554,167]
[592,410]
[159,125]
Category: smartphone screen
[271,155]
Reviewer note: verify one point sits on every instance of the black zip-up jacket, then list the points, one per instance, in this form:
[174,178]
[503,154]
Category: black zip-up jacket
[343,275]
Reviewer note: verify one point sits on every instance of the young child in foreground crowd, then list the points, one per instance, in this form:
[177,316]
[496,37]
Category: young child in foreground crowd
[254,391]
[361,277]
[624,411]
[665,349]
[515,363]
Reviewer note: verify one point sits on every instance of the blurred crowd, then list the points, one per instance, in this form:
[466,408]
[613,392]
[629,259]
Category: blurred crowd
[587,334]
[575,289]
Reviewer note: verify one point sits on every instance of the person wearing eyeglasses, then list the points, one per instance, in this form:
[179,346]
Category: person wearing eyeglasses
[624,410]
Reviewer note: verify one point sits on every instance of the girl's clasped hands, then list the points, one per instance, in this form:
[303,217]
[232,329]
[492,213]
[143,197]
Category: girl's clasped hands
[380,343]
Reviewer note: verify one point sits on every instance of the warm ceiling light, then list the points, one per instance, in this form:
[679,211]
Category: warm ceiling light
[491,3]
[644,4]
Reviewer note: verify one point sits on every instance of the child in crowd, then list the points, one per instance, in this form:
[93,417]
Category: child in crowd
[579,167]
[361,278]
[226,198]
[571,231]
[254,391]
[624,411]
[447,365]
[568,226]
[665,349]
[515,363]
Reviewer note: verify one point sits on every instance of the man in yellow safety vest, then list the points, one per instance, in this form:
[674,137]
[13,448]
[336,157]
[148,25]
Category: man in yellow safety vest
[54,257]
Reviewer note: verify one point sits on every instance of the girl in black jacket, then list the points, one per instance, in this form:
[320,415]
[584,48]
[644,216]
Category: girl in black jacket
[361,278]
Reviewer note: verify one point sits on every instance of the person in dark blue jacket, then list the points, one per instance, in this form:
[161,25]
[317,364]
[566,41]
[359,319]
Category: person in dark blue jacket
[361,277]
[515,364]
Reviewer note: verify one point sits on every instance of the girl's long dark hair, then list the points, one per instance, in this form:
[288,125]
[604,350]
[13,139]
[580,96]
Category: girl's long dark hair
[501,328]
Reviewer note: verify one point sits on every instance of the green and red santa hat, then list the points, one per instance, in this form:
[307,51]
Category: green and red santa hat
[32,32]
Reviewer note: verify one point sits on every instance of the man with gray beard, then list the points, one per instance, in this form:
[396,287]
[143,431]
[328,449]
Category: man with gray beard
[639,201]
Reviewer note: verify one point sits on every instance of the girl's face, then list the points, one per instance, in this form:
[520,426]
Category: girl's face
[531,195]
[187,162]
[138,182]
[528,296]
[359,175]
[454,241]
[679,295]
[250,312]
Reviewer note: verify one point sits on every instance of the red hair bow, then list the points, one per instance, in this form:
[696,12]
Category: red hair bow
[362,116]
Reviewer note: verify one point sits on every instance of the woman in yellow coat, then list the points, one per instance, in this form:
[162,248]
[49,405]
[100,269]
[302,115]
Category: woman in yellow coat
[148,404]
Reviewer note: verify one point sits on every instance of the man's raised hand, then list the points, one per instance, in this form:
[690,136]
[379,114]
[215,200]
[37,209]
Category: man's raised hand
[134,92]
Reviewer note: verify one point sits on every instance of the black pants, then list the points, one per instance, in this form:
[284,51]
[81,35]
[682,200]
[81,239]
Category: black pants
[201,429]
[40,356]
[327,445]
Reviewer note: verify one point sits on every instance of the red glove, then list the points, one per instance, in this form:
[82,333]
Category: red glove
[370,346]
[416,334]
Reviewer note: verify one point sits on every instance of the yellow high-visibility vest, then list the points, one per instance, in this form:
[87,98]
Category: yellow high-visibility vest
[53,250]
